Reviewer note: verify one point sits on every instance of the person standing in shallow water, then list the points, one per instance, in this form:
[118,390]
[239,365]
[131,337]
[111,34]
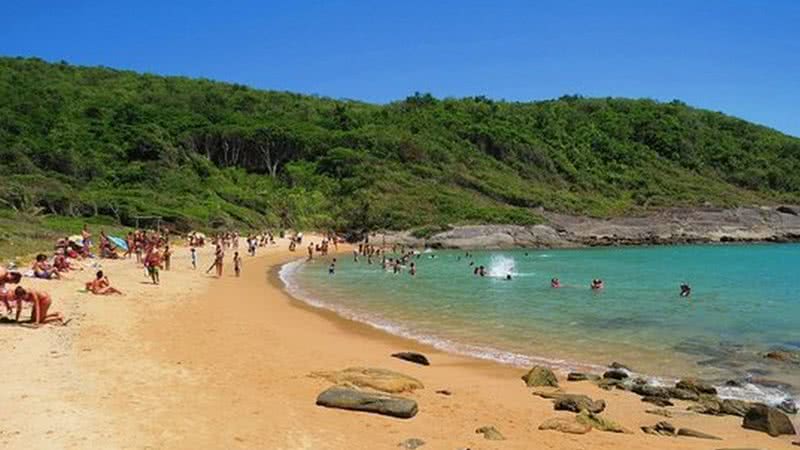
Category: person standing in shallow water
[332,267]
[412,269]
[310,251]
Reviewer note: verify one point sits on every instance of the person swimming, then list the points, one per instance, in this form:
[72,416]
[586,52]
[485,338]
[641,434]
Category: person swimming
[686,290]
[555,283]
[597,284]
[508,277]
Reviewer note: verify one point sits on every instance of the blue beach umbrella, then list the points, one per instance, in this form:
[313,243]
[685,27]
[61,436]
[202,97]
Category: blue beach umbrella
[119,242]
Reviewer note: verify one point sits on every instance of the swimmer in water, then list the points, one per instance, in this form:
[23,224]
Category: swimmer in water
[555,283]
[508,277]
[597,284]
[686,290]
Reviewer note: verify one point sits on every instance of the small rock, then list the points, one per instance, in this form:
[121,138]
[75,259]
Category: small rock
[540,376]
[548,393]
[580,376]
[787,210]
[658,401]
[648,390]
[616,374]
[733,407]
[565,425]
[616,365]
[411,443]
[577,403]
[764,418]
[683,394]
[660,429]
[608,383]
[659,412]
[788,406]
[444,392]
[697,386]
[417,358]
[490,433]
[688,432]
[352,399]
[600,423]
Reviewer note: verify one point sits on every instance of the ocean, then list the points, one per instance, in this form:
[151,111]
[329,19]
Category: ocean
[744,303]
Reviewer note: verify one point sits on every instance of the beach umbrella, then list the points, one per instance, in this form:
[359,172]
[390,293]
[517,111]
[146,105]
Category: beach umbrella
[118,242]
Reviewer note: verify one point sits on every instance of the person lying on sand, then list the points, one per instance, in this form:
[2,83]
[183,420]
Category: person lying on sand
[41,304]
[42,269]
[101,285]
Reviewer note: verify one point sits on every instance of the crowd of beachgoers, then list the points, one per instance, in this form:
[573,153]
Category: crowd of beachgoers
[80,254]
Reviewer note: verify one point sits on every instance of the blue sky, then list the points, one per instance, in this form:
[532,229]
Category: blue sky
[739,57]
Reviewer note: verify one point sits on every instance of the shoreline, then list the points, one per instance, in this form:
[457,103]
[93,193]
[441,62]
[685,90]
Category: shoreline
[206,363]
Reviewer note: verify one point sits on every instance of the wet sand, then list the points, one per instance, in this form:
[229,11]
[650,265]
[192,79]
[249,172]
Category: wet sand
[204,363]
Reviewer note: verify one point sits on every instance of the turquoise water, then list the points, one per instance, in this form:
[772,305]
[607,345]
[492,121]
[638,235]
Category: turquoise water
[744,302]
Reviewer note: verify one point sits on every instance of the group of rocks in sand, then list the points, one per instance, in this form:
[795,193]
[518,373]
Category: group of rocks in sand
[376,391]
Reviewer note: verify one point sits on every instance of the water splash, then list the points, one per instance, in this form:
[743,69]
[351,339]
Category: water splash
[500,266]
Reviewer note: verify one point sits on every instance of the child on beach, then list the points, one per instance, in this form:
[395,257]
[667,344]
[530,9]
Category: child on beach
[237,264]
[194,258]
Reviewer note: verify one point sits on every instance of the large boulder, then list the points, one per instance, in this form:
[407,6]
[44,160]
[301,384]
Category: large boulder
[648,390]
[540,376]
[683,394]
[356,400]
[616,374]
[765,418]
[378,379]
[417,358]
[734,407]
[697,386]
[707,404]
[600,423]
[577,403]
[565,425]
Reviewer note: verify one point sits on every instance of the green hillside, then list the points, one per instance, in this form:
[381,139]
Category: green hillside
[90,142]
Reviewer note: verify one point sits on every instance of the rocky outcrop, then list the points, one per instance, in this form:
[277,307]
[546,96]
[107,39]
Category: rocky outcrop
[660,429]
[357,400]
[491,433]
[658,401]
[670,226]
[769,420]
[577,403]
[565,425]
[616,374]
[417,358]
[378,379]
[540,376]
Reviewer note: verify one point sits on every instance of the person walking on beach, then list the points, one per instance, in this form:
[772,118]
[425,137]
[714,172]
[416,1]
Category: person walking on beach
[167,257]
[194,258]
[219,259]
[153,263]
[237,264]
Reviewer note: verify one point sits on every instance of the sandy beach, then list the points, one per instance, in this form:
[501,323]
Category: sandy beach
[199,362]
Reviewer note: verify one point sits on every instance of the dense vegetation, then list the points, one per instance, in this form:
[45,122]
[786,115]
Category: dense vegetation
[77,141]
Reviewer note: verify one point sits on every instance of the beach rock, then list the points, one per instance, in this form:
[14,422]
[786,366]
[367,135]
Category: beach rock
[658,401]
[548,393]
[417,358]
[444,392]
[696,386]
[787,210]
[600,423]
[616,365]
[648,390]
[616,374]
[565,425]
[764,418]
[707,404]
[660,429]
[540,376]
[580,376]
[577,403]
[378,379]
[490,433]
[355,400]
[411,443]
[783,356]
[788,406]
[734,407]
[609,383]
[688,432]
[683,394]
[659,412]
